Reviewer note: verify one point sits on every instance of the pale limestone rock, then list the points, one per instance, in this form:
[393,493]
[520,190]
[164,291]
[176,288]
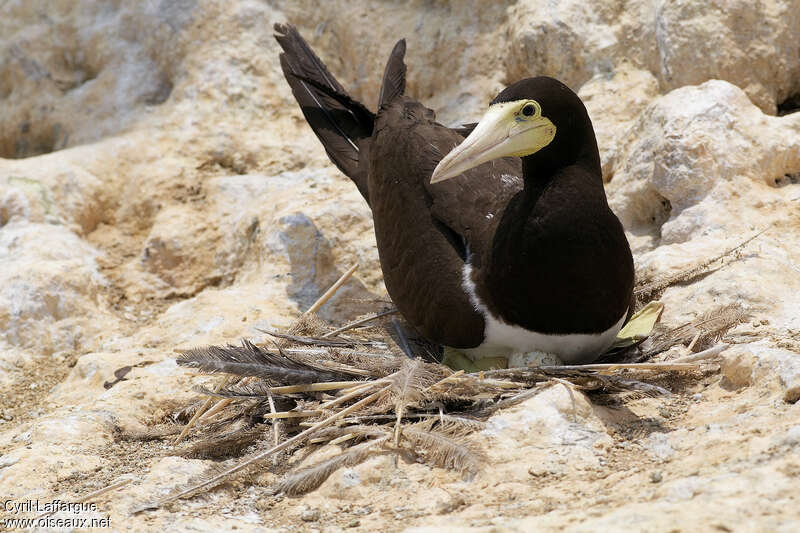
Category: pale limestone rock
[697,147]
[79,429]
[51,285]
[614,100]
[214,212]
[574,41]
[146,387]
[38,467]
[750,44]
[53,191]
[446,42]
[554,416]
[763,365]
[694,157]
[658,445]
[82,72]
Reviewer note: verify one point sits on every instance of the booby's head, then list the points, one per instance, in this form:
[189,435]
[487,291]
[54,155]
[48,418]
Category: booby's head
[539,119]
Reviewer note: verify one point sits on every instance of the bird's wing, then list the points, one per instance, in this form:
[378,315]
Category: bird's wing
[465,209]
[471,204]
[465,129]
[419,252]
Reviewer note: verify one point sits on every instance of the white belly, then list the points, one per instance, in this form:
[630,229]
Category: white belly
[503,339]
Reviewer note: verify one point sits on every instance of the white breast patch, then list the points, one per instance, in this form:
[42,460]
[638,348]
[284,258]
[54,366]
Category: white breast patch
[503,339]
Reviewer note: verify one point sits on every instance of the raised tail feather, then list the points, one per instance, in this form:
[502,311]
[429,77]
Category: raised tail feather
[342,124]
[394,75]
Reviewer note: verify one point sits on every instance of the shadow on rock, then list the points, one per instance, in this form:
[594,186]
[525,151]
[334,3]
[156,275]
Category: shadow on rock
[314,270]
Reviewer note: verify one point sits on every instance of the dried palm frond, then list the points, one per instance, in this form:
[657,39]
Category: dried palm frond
[409,383]
[444,450]
[704,330]
[462,423]
[229,444]
[651,288]
[251,360]
[338,360]
[408,387]
[309,478]
[359,322]
[359,432]
[322,341]
[332,391]
[213,478]
[262,390]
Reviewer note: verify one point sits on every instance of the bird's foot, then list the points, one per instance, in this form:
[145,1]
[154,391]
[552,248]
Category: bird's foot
[517,360]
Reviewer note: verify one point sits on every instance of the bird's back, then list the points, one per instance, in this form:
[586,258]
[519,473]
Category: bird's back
[425,233]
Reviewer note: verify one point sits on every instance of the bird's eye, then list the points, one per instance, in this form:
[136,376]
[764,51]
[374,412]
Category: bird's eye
[528,110]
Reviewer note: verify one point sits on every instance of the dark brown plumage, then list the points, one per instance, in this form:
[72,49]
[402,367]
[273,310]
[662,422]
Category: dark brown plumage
[541,249]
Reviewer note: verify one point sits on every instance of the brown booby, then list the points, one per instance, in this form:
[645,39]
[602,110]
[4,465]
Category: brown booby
[496,238]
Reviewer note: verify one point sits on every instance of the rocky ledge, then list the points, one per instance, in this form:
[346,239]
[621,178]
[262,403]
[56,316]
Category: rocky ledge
[159,189]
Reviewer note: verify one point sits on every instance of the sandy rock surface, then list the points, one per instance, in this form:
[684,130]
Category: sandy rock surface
[159,189]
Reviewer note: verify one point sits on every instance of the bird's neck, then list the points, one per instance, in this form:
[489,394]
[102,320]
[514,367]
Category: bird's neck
[539,169]
[536,175]
[516,233]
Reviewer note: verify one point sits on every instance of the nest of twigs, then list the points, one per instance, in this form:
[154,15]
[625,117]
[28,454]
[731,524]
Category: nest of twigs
[357,392]
[368,388]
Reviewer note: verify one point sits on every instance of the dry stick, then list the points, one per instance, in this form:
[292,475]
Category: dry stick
[337,366]
[448,378]
[343,438]
[93,495]
[705,354]
[397,425]
[227,401]
[315,387]
[691,344]
[669,365]
[223,382]
[291,414]
[219,406]
[364,385]
[350,396]
[330,292]
[300,437]
[357,323]
[276,424]
[360,388]
[357,419]
[501,384]
[222,404]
